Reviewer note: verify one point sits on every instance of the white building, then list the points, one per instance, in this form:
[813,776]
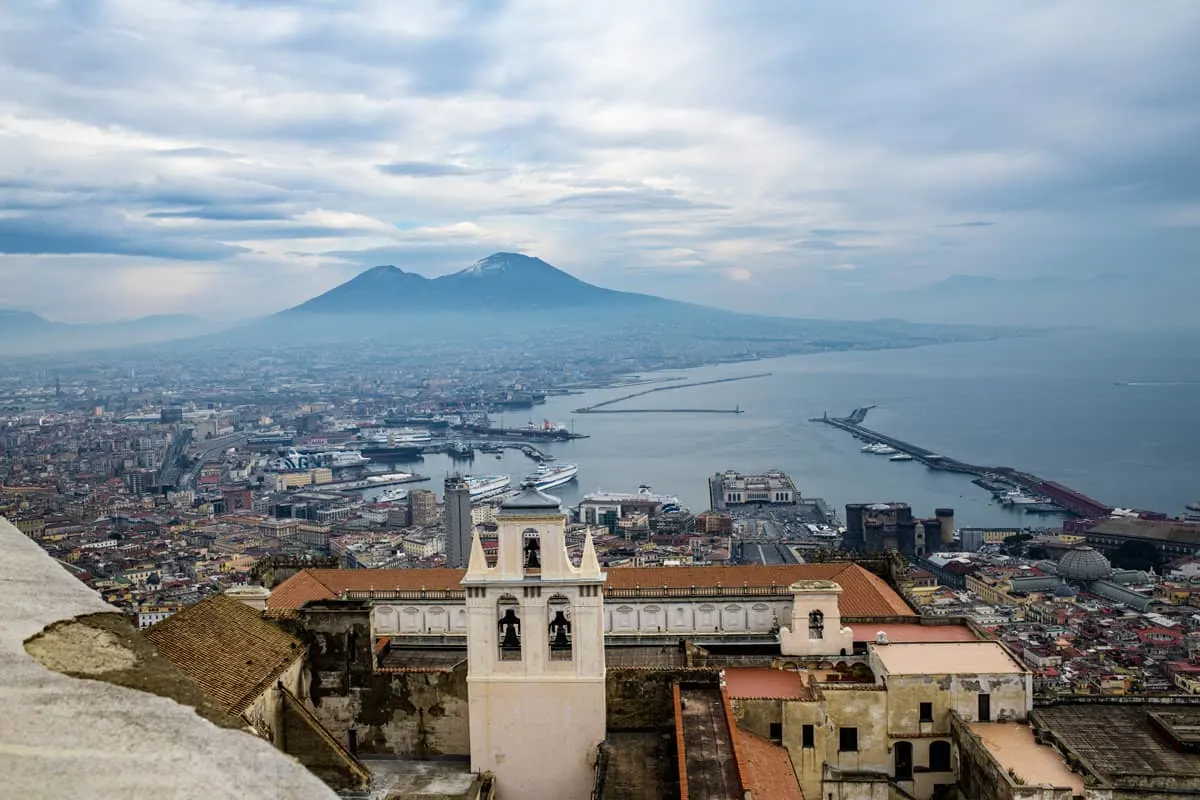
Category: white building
[734,489]
[535,655]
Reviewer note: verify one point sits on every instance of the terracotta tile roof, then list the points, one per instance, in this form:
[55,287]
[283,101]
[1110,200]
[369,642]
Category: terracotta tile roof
[227,648]
[863,593]
[767,768]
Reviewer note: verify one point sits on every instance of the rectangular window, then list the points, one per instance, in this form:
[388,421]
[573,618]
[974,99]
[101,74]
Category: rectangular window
[776,731]
[807,737]
[926,712]
[985,708]
[848,740]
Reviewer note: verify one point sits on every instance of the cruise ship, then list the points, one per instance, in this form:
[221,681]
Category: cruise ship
[880,449]
[548,477]
[484,487]
[391,494]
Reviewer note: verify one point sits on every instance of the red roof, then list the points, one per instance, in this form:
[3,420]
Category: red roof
[766,768]
[863,594]
[752,682]
[901,632]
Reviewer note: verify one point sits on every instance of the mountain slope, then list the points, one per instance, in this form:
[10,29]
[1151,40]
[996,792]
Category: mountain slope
[379,289]
[500,282]
[23,323]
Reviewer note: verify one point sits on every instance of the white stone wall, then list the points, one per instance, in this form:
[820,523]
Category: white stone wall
[399,618]
[634,617]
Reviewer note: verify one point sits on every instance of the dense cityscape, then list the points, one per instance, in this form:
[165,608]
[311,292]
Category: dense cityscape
[170,496]
[512,400]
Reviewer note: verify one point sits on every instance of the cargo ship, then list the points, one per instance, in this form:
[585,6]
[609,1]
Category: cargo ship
[550,476]
[431,421]
[484,487]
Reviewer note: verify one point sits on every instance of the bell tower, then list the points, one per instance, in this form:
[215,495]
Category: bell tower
[535,650]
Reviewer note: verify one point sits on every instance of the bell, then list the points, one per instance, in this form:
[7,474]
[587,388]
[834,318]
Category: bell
[510,623]
[531,555]
[560,627]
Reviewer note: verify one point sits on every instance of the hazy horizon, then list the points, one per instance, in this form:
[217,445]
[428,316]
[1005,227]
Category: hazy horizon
[228,159]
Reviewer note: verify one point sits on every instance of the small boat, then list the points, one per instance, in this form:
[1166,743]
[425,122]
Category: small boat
[901,457]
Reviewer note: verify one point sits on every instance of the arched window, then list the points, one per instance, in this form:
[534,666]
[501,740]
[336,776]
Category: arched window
[939,757]
[558,608]
[532,549]
[816,625]
[902,753]
[508,625]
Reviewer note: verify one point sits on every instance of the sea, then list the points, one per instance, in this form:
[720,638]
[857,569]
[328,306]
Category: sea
[1111,414]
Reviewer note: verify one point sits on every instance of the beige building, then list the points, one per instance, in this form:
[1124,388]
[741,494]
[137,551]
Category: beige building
[423,507]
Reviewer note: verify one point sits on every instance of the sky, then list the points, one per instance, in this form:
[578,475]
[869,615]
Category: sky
[232,158]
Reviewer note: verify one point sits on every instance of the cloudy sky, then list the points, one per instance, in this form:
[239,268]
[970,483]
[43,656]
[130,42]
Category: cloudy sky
[232,158]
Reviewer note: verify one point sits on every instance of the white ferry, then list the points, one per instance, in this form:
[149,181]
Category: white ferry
[548,477]
[485,487]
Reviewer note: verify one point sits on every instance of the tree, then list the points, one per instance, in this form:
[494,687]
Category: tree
[1136,555]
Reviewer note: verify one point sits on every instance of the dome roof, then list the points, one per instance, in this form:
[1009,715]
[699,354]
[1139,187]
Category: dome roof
[1064,590]
[1084,564]
[531,501]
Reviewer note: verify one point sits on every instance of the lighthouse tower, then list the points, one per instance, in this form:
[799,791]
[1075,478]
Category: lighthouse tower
[535,647]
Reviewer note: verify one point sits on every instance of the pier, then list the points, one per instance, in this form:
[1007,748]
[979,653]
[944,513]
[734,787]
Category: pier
[1062,496]
[601,408]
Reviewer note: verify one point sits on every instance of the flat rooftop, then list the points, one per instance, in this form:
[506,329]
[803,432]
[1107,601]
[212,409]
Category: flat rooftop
[945,658]
[1119,739]
[1017,751]
[708,753]
[641,766]
[906,632]
[751,682]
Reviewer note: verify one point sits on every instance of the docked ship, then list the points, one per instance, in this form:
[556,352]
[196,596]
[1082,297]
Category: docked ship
[433,421]
[401,436]
[550,476]
[880,449]
[404,444]
[292,460]
[1019,498]
[484,487]
[391,494]
[901,457]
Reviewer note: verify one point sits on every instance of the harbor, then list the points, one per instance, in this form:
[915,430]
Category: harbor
[1009,486]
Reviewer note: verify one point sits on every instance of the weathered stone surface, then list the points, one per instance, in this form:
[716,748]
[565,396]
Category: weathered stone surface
[65,736]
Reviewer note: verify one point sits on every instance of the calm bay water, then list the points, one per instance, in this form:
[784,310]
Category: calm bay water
[1047,404]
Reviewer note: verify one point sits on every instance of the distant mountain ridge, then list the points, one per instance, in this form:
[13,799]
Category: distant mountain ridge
[500,282]
[24,332]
